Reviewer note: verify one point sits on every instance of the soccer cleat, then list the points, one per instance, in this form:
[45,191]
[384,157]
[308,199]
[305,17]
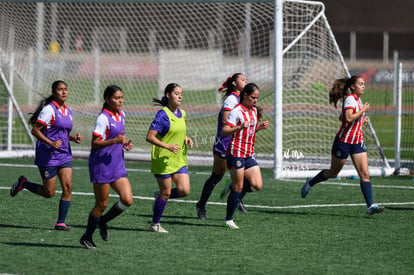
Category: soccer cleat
[374,209]
[225,191]
[306,188]
[62,227]
[242,208]
[87,242]
[17,186]
[157,228]
[231,225]
[103,230]
[201,213]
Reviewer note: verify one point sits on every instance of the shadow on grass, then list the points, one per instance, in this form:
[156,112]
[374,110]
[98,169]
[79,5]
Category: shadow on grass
[392,208]
[42,245]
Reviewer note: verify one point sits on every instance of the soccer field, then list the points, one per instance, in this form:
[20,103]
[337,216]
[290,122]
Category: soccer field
[326,233]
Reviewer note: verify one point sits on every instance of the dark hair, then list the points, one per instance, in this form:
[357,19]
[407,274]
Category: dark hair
[109,91]
[168,90]
[340,89]
[45,101]
[227,87]
[248,90]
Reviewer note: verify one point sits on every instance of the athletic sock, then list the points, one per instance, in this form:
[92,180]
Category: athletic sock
[232,203]
[208,189]
[31,186]
[92,224]
[366,189]
[158,209]
[112,213]
[63,211]
[174,193]
[318,178]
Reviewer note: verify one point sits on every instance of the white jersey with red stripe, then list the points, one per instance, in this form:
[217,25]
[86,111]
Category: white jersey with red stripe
[242,142]
[351,133]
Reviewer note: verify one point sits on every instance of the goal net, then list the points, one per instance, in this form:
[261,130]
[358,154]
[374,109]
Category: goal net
[143,45]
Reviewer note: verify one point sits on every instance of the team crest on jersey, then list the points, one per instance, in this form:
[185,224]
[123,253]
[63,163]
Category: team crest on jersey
[113,125]
[338,153]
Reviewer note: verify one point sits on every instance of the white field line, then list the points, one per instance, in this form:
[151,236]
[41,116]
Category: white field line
[247,205]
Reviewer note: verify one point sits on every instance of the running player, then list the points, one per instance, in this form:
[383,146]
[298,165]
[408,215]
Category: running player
[107,165]
[167,134]
[349,139]
[231,87]
[52,123]
[242,125]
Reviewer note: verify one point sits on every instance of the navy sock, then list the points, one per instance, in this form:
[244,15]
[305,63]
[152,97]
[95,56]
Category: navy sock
[318,178]
[208,189]
[32,187]
[111,214]
[366,189]
[232,203]
[92,224]
[63,211]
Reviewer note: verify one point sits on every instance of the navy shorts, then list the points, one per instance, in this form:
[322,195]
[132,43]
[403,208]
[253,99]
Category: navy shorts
[48,172]
[182,170]
[238,163]
[219,154]
[342,150]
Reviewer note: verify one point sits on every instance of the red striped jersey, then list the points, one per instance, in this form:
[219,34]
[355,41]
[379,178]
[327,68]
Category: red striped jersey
[242,142]
[351,132]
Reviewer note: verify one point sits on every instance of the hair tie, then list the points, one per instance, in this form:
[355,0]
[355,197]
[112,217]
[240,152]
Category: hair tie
[224,85]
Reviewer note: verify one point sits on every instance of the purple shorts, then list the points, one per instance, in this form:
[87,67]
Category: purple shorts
[182,170]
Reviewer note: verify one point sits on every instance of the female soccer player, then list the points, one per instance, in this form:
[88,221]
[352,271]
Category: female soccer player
[107,165]
[232,87]
[52,123]
[167,134]
[242,125]
[349,139]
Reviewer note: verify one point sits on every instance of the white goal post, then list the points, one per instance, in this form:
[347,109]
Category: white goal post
[286,47]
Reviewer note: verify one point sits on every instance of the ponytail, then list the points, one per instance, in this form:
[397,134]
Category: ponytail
[340,88]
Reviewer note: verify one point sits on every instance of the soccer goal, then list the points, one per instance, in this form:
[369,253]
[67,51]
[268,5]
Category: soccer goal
[286,47]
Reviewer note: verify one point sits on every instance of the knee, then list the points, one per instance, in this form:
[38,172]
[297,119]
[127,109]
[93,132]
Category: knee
[184,193]
[48,193]
[101,206]
[127,202]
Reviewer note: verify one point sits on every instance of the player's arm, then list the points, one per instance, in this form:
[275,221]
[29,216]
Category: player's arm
[350,116]
[37,132]
[98,142]
[229,129]
[152,138]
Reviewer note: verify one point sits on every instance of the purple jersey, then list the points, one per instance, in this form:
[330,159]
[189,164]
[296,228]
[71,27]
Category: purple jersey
[161,122]
[107,164]
[57,124]
[221,143]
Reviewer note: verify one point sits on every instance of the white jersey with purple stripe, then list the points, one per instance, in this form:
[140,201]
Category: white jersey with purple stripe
[221,143]
[107,164]
[58,123]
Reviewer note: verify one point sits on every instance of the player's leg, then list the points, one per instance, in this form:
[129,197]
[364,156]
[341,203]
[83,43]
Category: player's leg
[219,169]
[182,182]
[164,184]
[65,178]
[123,188]
[237,178]
[101,201]
[360,161]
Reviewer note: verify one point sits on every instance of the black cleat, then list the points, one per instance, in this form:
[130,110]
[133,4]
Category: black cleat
[103,230]
[201,213]
[87,242]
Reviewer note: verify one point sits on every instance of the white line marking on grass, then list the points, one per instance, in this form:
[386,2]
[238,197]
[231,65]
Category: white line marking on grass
[247,205]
